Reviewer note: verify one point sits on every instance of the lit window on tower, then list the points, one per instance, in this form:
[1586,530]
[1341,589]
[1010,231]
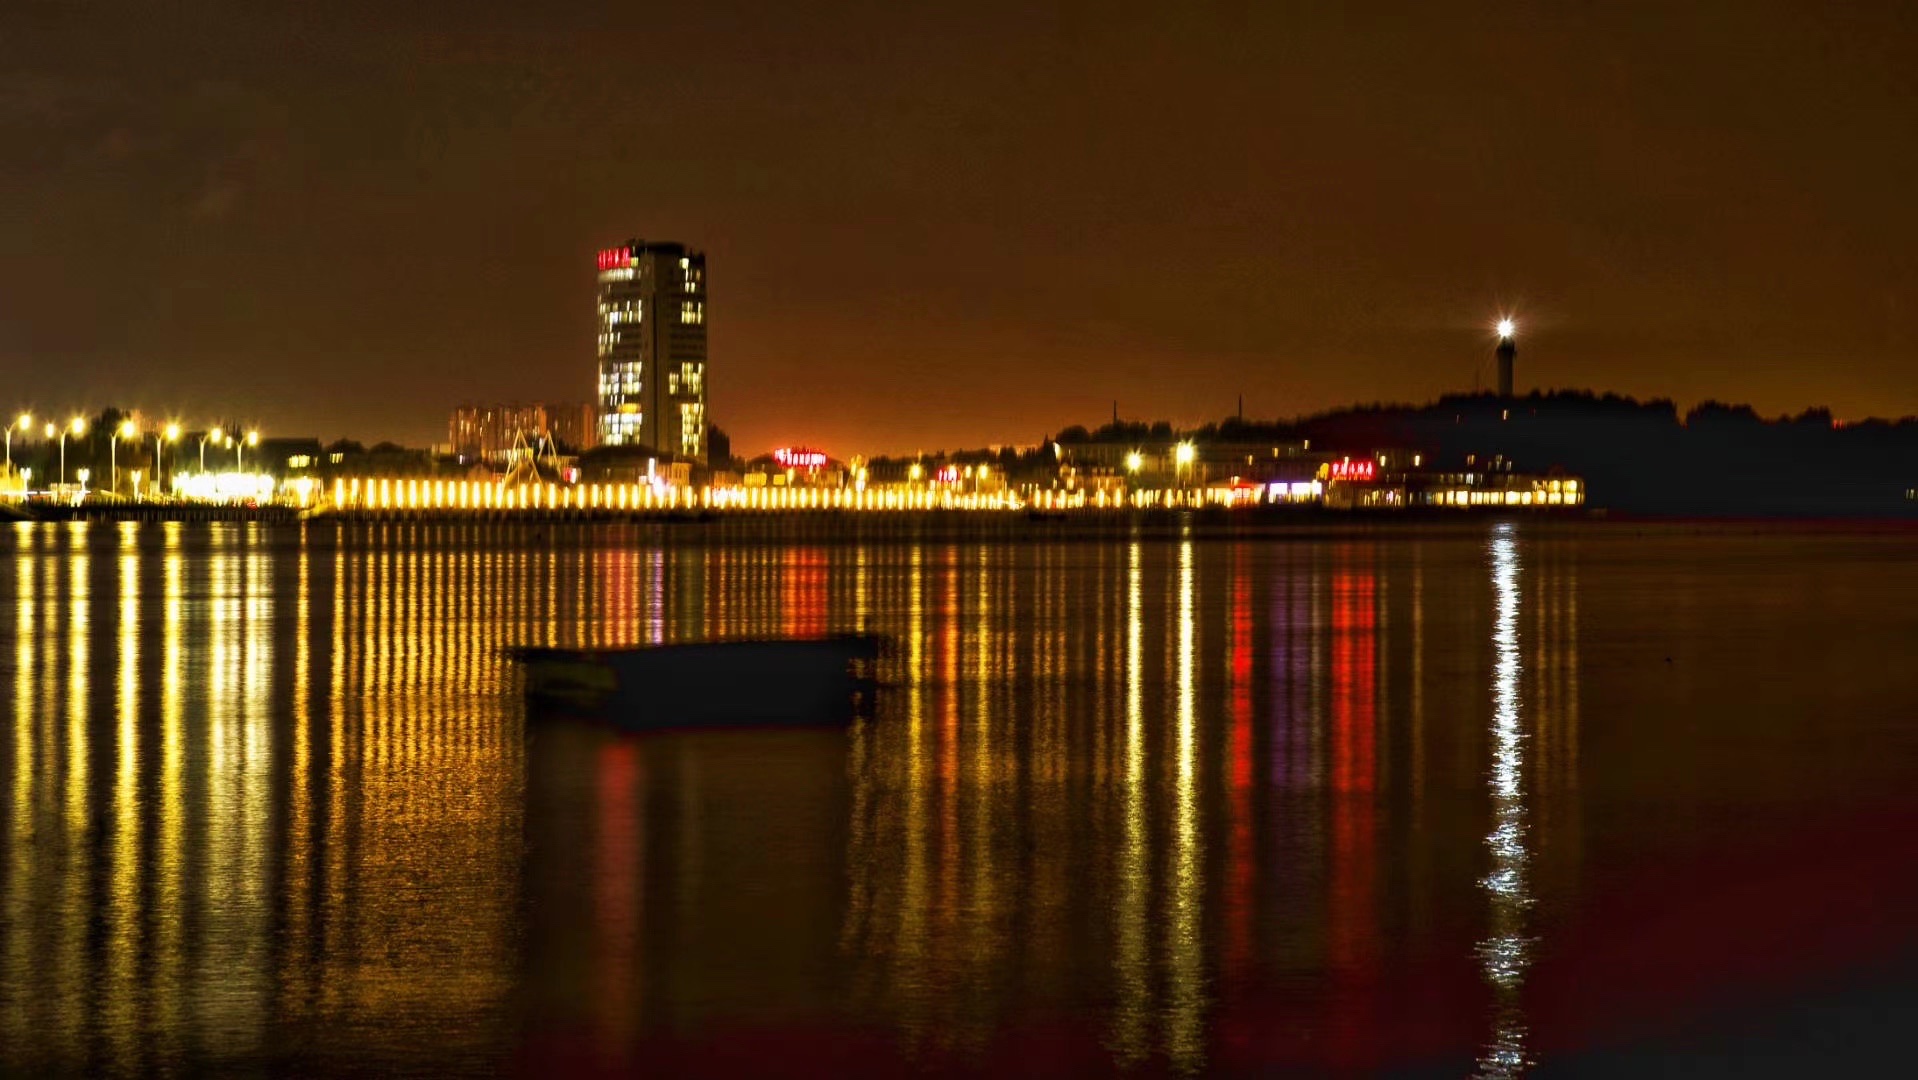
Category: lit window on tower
[690,428]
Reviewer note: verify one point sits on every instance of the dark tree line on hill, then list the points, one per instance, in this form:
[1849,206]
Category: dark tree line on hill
[1636,456]
[1645,457]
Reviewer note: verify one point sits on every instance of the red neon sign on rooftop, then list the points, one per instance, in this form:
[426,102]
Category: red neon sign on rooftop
[615,258]
[799,457]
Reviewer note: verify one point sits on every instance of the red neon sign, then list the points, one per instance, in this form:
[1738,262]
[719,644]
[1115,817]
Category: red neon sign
[799,457]
[615,258]
[1363,471]
[947,474]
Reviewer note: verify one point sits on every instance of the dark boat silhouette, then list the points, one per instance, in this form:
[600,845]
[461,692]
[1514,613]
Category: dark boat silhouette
[775,682]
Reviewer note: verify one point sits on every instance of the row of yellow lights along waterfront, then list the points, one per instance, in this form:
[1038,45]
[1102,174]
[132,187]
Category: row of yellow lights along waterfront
[402,494]
[384,494]
[418,494]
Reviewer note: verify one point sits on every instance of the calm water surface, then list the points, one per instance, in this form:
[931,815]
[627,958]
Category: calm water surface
[1494,801]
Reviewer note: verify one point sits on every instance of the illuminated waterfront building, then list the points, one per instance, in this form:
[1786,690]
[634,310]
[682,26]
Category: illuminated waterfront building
[1377,483]
[795,466]
[287,456]
[490,432]
[652,348]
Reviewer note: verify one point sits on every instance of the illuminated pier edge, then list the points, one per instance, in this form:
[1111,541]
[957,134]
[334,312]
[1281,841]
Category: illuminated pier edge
[809,481]
[250,492]
[1441,492]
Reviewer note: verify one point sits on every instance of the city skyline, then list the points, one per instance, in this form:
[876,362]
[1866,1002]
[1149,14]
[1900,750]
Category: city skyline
[1220,539]
[389,216]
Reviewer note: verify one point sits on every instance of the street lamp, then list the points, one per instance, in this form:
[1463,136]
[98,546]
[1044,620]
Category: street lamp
[77,427]
[172,434]
[217,435]
[24,423]
[126,430]
[239,451]
[1134,462]
[1184,454]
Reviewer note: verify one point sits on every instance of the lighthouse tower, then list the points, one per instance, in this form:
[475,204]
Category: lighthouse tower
[1507,356]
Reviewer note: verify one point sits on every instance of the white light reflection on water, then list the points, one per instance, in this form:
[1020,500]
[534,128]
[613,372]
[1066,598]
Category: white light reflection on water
[1505,954]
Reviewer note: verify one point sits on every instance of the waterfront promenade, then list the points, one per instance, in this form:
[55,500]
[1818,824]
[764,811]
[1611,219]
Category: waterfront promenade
[389,498]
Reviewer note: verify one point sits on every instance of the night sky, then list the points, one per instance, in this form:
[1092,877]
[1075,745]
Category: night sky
[954,228]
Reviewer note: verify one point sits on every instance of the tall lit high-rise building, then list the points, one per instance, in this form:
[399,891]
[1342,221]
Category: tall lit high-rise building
[652,348]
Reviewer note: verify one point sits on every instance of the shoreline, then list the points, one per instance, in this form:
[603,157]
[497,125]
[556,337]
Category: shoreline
[836,526]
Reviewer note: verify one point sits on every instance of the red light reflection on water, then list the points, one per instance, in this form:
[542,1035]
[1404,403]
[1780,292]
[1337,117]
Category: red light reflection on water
[804,587]
[1351,915]
[619,848]
[1239,899]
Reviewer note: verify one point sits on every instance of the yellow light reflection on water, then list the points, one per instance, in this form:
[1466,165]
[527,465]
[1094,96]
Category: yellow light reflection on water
[911,931]
[949,854]
[123,905]
[1185,1005]
[299,854]
[1132,1012]
[169,948]
[983,904]
[15,1023]
[76,870]
[1031,822]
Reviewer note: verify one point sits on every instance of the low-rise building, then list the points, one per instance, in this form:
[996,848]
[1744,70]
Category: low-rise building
[1361,484]
[489,432]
